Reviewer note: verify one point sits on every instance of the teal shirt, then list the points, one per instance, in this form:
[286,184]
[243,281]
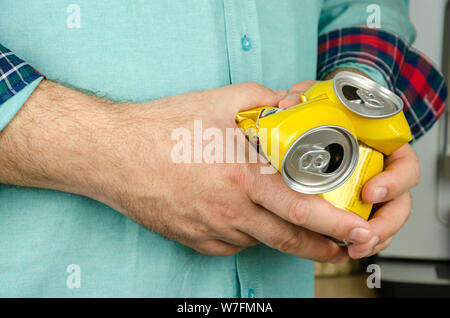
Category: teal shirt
[138,51]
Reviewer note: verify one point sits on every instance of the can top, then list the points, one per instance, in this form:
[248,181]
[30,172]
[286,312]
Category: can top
[320,160]
[364,97]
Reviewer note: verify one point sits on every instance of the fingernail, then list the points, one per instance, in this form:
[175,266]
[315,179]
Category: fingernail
[339,260]
[379,194]
[359,235]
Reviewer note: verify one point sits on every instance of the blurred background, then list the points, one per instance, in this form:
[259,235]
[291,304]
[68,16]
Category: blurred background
[417,263]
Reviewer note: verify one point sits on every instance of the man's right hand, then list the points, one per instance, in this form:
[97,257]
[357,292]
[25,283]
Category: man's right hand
[120,154]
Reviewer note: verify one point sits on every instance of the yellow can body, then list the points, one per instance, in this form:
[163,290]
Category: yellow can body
[348,195]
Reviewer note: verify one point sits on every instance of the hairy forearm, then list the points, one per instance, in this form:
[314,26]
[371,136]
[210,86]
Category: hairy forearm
[57,140]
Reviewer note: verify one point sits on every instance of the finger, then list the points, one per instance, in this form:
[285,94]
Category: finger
[391,216]
[277,233]
[302,86]
[308,211]
[216,248]
[249,95]
[382,246]
[294,97]
[386,222]
[236,238]
[290,100]
[281,93]
[378,248]
[238,97]
[402,172]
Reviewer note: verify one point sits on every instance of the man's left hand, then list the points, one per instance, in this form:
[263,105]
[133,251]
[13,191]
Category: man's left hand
[389,190]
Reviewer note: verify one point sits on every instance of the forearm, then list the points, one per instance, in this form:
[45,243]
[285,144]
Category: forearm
[57,140]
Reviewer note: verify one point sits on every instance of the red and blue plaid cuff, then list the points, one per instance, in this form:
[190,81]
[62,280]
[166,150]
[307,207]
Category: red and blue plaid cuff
[15,74]
[408,73]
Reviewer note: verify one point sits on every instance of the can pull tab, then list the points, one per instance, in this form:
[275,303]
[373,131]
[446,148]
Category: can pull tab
[314,160]
[368,99]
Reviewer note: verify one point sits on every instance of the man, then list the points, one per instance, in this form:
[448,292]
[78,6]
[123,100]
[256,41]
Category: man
[86,175]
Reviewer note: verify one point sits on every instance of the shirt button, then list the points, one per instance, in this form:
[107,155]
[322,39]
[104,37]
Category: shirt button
[246,43]
[251,293]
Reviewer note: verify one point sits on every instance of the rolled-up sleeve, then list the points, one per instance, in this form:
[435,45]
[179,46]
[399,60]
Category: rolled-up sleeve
[18,79]
[385,54]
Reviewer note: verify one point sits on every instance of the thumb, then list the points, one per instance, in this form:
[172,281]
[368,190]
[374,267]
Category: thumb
[250,95]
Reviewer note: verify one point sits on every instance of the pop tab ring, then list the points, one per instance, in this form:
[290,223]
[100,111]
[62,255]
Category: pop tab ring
[365,97]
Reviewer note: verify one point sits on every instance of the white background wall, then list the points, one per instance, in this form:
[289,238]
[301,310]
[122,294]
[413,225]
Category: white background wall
[426,235]
[428,18]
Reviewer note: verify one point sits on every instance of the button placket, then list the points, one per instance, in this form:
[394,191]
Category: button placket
[242,33]
[244,60]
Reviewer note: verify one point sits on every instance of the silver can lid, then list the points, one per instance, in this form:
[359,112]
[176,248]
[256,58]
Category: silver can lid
[320,160]
[365,97]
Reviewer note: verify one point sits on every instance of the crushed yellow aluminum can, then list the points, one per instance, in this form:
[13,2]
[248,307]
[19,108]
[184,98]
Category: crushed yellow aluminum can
[333,142]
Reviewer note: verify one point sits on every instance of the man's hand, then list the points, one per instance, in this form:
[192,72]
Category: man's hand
[120,154]
[390,188]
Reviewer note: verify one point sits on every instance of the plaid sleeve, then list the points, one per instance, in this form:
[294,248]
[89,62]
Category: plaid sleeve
[407,72]
[15,74]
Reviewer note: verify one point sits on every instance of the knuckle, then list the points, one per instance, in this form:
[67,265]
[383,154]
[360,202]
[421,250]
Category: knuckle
[256,87]
[291,244]
[228,213]
[199,231]
[248,181]
[298,212]
[239,177]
